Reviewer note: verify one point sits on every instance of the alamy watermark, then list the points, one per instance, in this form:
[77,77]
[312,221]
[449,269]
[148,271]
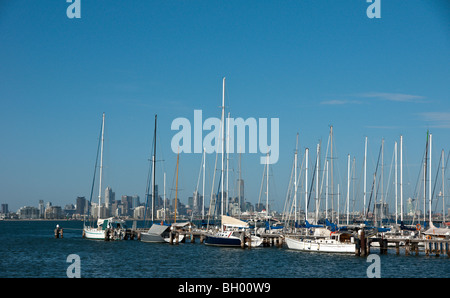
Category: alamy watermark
[74,269]
[74,9]
[212,141]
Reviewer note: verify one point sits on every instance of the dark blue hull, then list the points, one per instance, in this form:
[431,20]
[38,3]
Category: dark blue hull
[222,241]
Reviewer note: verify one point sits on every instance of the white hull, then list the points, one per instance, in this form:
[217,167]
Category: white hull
[90,233]
[320,245]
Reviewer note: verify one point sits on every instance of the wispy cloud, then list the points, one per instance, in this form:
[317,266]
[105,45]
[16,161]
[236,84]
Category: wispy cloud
[436,119]
[398,97]
[377,96]
[340,102]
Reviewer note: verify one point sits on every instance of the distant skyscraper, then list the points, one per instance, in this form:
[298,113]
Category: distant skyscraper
[81,205]
[136,201]
[41,209]
[109,197]
[4,209]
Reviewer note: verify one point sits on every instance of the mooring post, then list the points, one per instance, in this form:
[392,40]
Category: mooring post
[408,245]
[357,247]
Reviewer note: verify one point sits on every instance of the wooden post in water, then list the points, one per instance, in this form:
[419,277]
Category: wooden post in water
[357,247]
[408,245]
[170,238]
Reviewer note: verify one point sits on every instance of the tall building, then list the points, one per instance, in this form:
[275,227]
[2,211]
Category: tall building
[136,202]
[41,209]
[109,197]
[4,209]
[81,205]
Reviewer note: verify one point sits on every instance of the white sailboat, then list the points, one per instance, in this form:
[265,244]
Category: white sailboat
[323,240]
[109,228]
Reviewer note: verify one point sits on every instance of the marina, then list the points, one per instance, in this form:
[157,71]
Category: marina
[29,249]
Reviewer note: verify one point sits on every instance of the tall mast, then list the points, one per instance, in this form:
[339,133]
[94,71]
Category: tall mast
[429,180]
[382,181]
[395,183]
[365,177]
[164,199]
[267,188]
[176,188]
[223,141]
[153,172]
[348,185]
[228,149]
[203,192]
[317,183]
[331,173]
[295,183]
[443,188]
[326,192]
[239,185]
[306,183]
[401,178]
[101,167]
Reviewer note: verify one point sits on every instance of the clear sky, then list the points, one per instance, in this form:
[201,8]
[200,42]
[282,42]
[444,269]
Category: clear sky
[309,63]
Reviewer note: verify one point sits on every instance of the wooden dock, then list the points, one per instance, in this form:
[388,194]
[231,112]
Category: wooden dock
[435,246]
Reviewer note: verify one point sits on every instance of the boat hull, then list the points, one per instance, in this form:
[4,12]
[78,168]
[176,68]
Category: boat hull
[94,234]
[322,245]
[222,241]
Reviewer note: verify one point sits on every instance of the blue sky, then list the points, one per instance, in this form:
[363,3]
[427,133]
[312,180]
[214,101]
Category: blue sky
[311,64]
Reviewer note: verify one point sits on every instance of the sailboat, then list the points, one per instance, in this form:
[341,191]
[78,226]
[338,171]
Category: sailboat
[158,233]
[317,237]
[232,232]
[110,228]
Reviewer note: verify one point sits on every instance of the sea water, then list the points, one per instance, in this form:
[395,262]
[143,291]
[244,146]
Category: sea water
[28,249]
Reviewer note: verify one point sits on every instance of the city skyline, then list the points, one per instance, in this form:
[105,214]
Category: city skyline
[311,64]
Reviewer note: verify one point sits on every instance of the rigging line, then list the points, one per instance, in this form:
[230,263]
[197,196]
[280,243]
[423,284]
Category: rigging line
[95,171]
[373,182]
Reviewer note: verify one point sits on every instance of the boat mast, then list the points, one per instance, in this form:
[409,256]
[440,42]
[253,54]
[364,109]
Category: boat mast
[164,199]
[203,192]
[401,178]
[176,187]
[326,192]
[429,180]
[295,185]
[331,169]
[348,185]
[228,149]
[443,188]
[306,183]
[365,177]
[153,172]
[101,167]
[317,182]
[223,141]
[396,180]
[267,188]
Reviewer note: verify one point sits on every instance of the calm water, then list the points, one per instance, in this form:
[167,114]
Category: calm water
[29,249]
